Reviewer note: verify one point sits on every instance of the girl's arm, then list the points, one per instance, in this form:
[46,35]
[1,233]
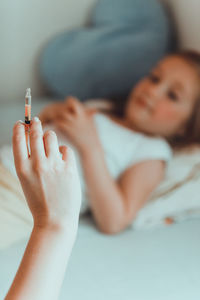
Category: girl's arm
[50,182]
[115,204]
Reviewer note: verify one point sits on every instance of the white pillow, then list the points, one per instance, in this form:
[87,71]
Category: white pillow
[177,197]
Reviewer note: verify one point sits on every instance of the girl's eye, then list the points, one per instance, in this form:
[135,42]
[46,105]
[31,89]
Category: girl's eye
[154,78]
[172,96]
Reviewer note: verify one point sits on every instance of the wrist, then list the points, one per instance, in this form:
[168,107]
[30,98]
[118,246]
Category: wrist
[58,228]
[90,150]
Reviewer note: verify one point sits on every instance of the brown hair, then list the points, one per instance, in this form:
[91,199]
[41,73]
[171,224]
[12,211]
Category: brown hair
[191,133]
[192,130]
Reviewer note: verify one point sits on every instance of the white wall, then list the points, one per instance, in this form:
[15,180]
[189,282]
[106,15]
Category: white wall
[25,27]
[27,24]
[186,14]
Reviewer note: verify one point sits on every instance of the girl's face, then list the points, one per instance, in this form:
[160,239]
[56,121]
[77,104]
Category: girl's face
[162,102]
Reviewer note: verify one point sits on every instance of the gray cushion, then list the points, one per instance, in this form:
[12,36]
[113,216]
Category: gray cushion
[124,40]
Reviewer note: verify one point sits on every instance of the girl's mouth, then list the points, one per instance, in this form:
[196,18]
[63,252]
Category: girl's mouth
[143,103]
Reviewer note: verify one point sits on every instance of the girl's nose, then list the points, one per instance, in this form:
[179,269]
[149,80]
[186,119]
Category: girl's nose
[153,90]
[153,94]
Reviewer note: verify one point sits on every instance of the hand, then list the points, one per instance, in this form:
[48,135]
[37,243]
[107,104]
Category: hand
[76,122]
[69,106]
[49,177]
[51,112]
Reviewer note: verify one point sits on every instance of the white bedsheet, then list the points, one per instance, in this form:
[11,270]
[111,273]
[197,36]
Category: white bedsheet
[162,264]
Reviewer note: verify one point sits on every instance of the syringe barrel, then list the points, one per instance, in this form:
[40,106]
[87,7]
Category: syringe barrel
[28,106]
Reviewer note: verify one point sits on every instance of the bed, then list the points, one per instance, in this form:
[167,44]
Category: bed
[161,263]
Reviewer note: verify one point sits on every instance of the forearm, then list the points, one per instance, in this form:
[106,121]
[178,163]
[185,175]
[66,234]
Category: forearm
[106,199]
[43,266]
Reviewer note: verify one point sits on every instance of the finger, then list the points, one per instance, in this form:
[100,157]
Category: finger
[71,160]
[45,115]
[74,105]
[65,116]
[51,144]
[68,156]
[63,124]
[42,116]
[27,127]
[19,144]
[69,103]
[70,99]
[63,151]
[64,127]
[36,140]
[91,111]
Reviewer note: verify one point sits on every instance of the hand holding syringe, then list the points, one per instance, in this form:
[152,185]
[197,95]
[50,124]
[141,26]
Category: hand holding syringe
[50,182]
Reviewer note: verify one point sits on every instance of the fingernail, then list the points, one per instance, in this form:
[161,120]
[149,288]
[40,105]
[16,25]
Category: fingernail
[36,119]
[20,121]
[52,132]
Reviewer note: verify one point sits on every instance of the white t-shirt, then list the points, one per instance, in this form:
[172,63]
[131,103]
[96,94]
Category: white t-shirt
[122,148]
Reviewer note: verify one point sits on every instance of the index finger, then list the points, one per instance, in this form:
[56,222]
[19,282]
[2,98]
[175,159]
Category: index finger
[74,104]
[19,144]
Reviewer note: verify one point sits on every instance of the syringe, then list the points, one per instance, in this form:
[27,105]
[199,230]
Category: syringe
[28,106]
[27,117]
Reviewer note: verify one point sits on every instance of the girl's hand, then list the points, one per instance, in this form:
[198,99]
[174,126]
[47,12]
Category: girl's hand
[50,112]
[69,106]
[53,111]
[48,177]
[76,122]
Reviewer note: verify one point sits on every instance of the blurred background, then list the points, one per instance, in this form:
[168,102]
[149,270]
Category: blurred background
[26,26]
[170,256]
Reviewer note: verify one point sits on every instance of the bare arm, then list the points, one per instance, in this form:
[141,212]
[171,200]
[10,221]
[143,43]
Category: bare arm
[43,266]
[115,204]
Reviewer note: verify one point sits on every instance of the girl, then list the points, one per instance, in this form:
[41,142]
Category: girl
[123,156]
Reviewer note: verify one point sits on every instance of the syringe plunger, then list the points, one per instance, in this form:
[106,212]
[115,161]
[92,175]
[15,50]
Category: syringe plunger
[28,96]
